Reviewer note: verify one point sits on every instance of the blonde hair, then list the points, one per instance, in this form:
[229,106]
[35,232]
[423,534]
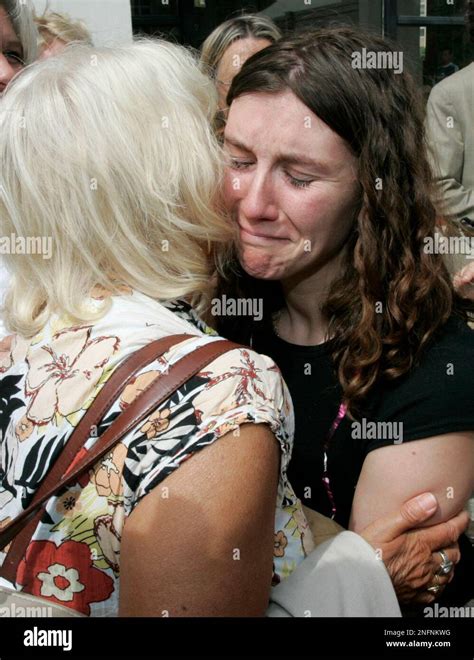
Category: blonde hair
[52,25]
[21,16]
[110,152]
[240,27]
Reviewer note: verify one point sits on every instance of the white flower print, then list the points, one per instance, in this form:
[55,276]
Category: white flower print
[63,374]
[60,582]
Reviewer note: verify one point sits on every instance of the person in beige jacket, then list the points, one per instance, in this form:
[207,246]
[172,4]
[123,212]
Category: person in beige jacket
[450,133]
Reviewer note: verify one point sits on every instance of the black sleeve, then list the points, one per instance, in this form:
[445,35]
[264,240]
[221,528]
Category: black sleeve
[437,396]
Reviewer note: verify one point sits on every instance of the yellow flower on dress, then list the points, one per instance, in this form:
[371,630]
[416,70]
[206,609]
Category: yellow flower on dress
[24,428]
[68,504]
[13,349]
[137,386]
[157,423]
[280,544]
[107,475]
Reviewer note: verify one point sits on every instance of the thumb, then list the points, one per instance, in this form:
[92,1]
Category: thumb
[411,514]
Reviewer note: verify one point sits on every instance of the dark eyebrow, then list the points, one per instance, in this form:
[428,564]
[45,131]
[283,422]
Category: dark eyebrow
[288,159]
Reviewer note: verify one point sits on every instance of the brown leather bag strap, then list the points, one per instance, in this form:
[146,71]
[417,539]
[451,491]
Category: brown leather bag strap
[111,390]
[146,402]
[22,528]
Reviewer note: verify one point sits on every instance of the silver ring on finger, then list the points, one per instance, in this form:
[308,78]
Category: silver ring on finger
[446,565]
[434,588]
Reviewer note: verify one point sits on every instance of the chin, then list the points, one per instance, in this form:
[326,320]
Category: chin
[261,266]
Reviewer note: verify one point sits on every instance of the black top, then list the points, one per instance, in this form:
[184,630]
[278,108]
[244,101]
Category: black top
[436,397]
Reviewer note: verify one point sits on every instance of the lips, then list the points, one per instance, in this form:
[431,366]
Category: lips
[257,234]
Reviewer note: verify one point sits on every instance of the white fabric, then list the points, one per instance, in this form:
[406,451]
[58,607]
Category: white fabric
[342,577]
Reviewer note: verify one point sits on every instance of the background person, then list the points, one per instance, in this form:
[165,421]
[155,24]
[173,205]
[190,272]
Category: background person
[57,30]
[447,67]
[18,37]
[450,135]
[229,45]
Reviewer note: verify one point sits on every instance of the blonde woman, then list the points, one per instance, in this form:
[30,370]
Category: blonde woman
[57,30]
[115,168]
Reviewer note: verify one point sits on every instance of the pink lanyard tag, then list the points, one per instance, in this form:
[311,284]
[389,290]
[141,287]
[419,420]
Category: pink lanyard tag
[326,479]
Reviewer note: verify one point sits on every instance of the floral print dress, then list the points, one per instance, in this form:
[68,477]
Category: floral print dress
[48,382]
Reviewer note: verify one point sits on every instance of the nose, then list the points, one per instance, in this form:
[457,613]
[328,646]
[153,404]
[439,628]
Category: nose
[258,197]
[6,72]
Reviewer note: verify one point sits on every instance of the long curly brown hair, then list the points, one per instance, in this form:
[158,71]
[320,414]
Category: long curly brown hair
[392,295]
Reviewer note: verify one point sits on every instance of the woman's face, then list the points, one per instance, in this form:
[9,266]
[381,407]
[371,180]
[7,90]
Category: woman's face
[11,51]
[233,60]
[291,185]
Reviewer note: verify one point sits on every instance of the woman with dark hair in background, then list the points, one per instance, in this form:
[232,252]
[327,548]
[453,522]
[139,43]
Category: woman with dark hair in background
[329,184]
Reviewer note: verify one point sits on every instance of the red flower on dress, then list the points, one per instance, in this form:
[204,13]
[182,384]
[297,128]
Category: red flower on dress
[64,574]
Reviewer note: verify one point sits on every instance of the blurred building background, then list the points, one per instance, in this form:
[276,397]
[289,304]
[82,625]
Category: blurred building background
[430,32]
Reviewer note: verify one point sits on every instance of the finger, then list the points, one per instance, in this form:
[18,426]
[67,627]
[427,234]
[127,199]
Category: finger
[464,277]
[411,514]
[424,594]
[460,280]
[441,580]
[426,597]
[465,289]
[452,552]
[444,534]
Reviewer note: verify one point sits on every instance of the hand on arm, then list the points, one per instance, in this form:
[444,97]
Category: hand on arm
[206,549]
[409,554]
[442,465]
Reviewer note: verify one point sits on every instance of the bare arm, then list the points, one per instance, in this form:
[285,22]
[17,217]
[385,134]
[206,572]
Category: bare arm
[206,549]
[442,465]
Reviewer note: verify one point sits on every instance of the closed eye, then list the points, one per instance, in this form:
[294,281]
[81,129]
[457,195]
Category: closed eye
[298,183]
[13,57]
[236,164]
